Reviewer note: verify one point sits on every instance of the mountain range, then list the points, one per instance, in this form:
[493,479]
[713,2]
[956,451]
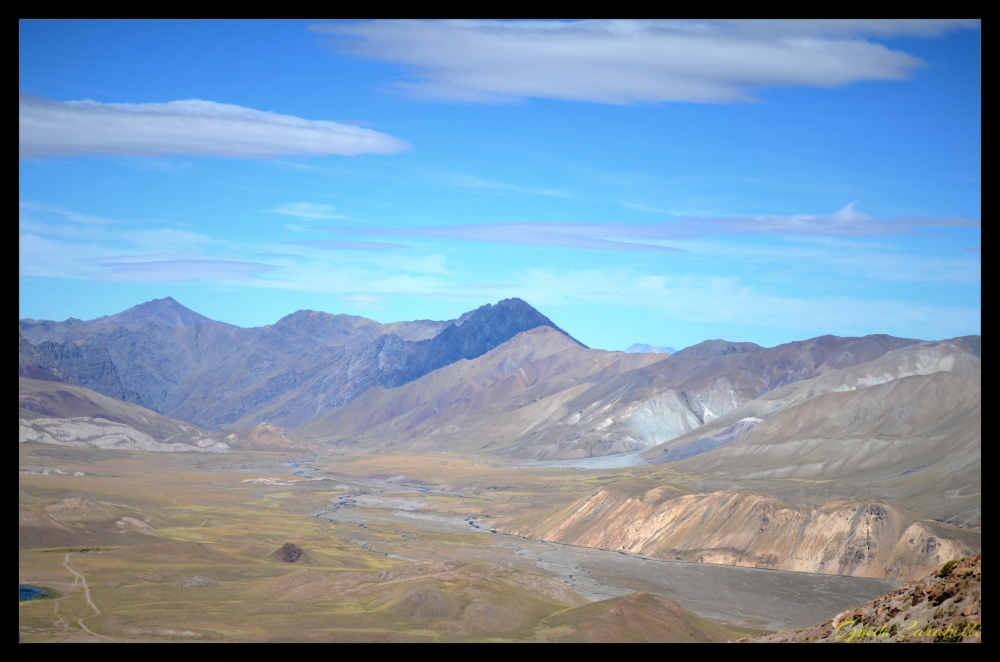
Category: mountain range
[164,357]
[876,434]
[500,379]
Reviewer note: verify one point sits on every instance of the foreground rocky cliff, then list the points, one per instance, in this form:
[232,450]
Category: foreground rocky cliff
[942,607]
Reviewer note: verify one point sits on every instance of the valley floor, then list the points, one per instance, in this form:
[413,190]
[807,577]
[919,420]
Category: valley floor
[396,547]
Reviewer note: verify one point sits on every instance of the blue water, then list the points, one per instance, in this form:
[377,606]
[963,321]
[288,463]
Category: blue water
[30,592]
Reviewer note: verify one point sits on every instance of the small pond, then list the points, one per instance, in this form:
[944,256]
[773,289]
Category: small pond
[31,593]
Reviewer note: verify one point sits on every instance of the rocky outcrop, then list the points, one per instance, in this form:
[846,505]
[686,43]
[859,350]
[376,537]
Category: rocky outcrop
[292,553]
[942,607]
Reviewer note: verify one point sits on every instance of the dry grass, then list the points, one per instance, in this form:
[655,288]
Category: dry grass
[139,530]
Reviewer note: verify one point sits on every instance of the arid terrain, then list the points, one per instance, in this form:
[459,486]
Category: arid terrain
[329,478]
[942,607]
[188,548]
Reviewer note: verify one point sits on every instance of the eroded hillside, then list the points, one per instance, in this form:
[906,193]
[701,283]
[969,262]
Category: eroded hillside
[843,537]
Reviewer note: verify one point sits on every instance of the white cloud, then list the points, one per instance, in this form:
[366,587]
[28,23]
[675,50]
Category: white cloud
[848,28]
[307,210]
[193,127]
[624,62]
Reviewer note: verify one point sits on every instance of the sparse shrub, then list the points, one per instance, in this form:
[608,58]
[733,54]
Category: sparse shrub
[952,633]
[948,567]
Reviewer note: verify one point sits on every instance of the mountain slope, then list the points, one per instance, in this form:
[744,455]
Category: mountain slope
[574,404]
[58,413]
[911,437]
[61,414]
[484,403]
[677,394]
[45,399]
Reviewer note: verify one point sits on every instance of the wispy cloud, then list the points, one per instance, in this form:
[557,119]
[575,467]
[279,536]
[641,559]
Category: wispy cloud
[180,270]
[52,246]
[651,210]
[155,165]
[362,302]
[68,214]
[623,62]
[308,211]
[463,180]
[847,221]
[193,127]
[349,245]
[565,235]
[639,237]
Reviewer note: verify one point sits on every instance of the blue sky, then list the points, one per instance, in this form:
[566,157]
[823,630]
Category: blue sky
[662,183]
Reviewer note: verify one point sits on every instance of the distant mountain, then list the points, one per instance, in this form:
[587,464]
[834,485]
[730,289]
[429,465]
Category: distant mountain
[167,358]
[639,348]
[166,313]
[673,395]
[482,330]
[541,396]
[160,311]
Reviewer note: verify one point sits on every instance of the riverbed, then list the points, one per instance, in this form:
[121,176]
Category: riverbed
[769,599]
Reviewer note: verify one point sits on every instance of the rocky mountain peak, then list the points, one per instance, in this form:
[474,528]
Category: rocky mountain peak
[164,311]
[504,320]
